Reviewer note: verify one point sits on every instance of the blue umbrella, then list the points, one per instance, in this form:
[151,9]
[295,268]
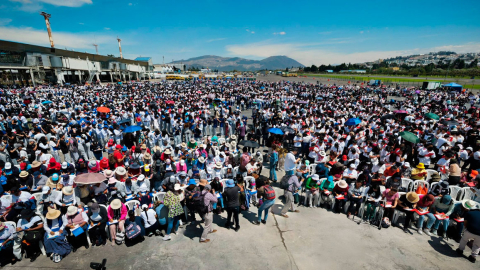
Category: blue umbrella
[275,131]
[46,102]
[131,129]
[353,122]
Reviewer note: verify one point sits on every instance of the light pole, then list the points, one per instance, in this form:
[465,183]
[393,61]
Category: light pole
[49,29]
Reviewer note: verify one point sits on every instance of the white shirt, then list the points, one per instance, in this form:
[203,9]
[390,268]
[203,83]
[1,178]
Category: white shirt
[148,218]
[289,162]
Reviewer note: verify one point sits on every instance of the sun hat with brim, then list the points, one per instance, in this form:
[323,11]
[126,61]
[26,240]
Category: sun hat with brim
[315,177]
[469,204]
[53,213]
[72,210]
[112,180]
[67,191]
[435,177]
[192,140]
[183,145]
[177,187]
[108,173]
[147,156]
[421,166]
[218,165]
[116,204]
[342,184]
[120,171]
[203,182]
[412,197]
[23,174]
[36,164]
[229,183]
[167,151]
[201,159]
[135,166]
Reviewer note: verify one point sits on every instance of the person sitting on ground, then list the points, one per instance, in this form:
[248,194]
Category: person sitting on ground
[150,221]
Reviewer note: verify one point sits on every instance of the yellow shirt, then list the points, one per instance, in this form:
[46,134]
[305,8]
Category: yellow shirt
[416,172]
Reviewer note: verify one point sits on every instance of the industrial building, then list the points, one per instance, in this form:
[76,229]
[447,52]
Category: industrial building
[30,64]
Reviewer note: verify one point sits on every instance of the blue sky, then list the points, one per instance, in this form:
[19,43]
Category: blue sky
[312,32]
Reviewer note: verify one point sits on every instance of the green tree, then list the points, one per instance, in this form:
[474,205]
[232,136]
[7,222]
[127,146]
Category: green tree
[314,68]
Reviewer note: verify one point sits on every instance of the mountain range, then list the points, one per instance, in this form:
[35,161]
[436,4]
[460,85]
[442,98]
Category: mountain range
[240,64]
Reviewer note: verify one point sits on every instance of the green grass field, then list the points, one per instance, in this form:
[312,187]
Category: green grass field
[407,81]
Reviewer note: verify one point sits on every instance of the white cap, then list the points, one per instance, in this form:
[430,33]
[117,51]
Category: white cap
[8,166]
[64,165]
[45,189]
[141,177]
[352,166]
[469,148]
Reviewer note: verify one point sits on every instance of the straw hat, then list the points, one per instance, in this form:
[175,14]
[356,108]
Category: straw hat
[67,191]
[469,204]
[218,165]
[116,204]
[112,180]
[147,156]
[72,210]
[167,151]
[201,159]
[23,174]
[108,173]
[421,166]
[412,197]
[342,184]
[36,164]
[120,171]
[203,182]
[183,145]
[52,213]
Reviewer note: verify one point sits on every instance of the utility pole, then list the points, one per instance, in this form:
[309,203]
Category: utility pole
[96,47]
[49,29]
[120,47]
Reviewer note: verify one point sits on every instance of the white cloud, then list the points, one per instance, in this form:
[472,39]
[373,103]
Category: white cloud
[5,21]
[61,39]
[106,28]
[215,39]
[252,32]
[279,33]
[36,5]
[130,4]
[361,32]
[309,54]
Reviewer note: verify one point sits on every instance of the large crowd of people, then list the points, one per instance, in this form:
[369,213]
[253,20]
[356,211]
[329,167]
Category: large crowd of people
[84,165]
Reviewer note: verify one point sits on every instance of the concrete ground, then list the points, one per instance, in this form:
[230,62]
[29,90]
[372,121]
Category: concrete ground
[312,239]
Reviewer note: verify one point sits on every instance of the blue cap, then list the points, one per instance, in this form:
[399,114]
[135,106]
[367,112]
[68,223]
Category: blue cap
[124,148]
[229,183]
[3,180]
[192,182]
[55,177]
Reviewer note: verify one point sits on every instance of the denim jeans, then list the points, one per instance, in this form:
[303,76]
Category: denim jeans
[173,222]
[431,220]
[273,174]
[264,208]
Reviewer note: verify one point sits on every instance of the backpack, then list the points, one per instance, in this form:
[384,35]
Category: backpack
[269,193]
[132,230]
[199,203]
[386,222]
[284,182]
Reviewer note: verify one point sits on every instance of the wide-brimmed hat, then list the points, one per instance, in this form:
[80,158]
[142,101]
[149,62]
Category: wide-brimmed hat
[144,147]
[233,137]
[147,156]
[192,140]
[201,159]
[53,213]
[322,153]
[72,210]
[435,177]
[120,171]
[203,182]
[315,177]
[421,166]
[469,204]
[23,174]
[183,145]
[36,164]
[412,197]
[92,164]
[108,173]
[134,166]
[177,187]
[67,190]
[167,151]
[112,180]
[342,184]
[141,177]
[229,183]
[116,204]
[218,165]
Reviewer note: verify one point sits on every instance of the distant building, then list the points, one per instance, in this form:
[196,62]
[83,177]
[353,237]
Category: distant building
[329,71]
[353,71]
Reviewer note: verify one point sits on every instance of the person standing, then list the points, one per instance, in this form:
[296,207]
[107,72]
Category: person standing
[293,185]
[209,199]
[472,223]
[291,162]
[268,194]
[273,163]
[232,203]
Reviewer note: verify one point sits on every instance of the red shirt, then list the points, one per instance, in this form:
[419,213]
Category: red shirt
[117,155]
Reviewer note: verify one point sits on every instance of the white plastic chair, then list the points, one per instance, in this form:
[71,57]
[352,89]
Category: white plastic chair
[432,186]
[418,183]
[7,198]
[455,191]
[133,205]
[40,243]
[159,196]
[107,230]
[235,171]
[466,194]
[407,184]
[38,198]
[248,180]
[333,200]
[311,169]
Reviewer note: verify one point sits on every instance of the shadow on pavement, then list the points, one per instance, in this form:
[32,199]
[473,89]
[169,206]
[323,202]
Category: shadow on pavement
[442,247]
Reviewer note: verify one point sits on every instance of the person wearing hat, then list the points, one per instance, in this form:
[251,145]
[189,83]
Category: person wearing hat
[209,199]
[459,212]
[76,224]
[93,166]
[25,180]
[117,213]
[172,201]
[55,226]
[67,168]
[7,237]
[326,189]
[66,198]
[406,203]
[350,174]
[121,174]
[29,233]
[442,206]
[81,167]
[312,187]
[340,193]
[118,156]
[142,184]
[406,170]
[192,144]
[472,223]
[38,166]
